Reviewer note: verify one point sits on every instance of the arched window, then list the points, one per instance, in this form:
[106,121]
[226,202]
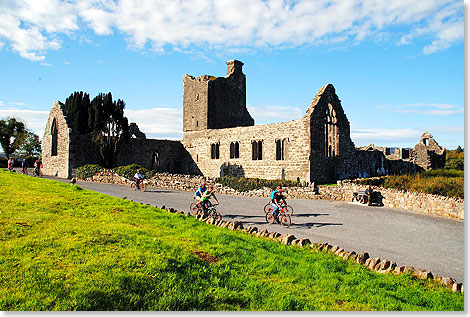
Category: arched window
[280,149]
[331,132]
[234,150]
[155,159]
[257,150]
[215,151]
[54,132]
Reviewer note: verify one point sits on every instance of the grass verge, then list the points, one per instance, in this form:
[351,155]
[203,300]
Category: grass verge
[65,248]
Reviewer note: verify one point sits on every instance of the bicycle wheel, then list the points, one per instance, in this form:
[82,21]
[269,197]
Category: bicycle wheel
[289,210]
[215,214]
[268,208]
[193,209]
[134,187]
[284,220]
[143,187]
[270,218]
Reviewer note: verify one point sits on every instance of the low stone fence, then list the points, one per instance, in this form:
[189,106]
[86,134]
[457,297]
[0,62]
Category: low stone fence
[416,202]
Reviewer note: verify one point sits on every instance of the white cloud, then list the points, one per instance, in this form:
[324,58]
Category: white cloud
[449,136]
[35,120]
[33,27]
[386,136]
[423,108]
[158,122]
[273,114]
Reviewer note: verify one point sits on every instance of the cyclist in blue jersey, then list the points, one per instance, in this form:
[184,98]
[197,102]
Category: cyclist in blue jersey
[199,192]
[276,199]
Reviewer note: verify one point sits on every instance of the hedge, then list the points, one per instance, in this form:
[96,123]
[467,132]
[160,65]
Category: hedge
[243,184]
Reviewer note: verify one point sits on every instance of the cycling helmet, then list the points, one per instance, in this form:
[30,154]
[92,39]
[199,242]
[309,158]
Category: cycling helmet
[211,186]
[203,184]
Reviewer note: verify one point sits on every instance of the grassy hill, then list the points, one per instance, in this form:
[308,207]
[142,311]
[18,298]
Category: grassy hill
[65,248]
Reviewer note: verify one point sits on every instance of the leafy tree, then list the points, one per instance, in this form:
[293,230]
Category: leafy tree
[78,105]
[103,118]
[455,159]
[111,127]
[12,133]
[31,146]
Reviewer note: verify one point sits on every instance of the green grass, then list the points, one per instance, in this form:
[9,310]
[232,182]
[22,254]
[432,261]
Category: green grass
[66,248]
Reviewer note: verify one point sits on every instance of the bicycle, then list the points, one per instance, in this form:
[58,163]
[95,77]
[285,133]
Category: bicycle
[282,217]
[196,209]
[290,210]
[141,186]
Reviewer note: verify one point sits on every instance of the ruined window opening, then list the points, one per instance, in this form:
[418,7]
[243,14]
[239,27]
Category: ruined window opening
[280,150]
[425,141]
[257,150]
[234,150]
[197,97]
[155,159]
[215,151]
[197,123]
[405,153]
[54,133]
[331,133]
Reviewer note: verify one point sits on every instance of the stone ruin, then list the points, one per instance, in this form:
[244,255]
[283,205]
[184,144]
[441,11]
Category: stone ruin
[221,138]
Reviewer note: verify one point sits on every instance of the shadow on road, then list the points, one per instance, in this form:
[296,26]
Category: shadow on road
[308,215]
[309,225]
[157,191]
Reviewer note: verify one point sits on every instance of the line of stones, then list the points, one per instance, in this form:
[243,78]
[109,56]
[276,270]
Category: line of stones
[362,258]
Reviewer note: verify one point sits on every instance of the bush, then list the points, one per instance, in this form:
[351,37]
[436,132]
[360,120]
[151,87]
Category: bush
[129,171]
[243,184]
[442,182]
[455,159]
[87,171]
[3,162]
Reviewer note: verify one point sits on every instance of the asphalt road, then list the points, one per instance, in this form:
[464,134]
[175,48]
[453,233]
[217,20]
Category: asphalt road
[426,242]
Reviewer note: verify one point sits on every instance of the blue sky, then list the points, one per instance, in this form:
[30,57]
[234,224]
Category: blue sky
[397,66]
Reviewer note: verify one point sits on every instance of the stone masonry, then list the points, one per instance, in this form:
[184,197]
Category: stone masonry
[220,138]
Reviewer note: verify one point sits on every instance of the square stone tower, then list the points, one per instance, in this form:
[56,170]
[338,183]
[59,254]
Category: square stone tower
[216,102]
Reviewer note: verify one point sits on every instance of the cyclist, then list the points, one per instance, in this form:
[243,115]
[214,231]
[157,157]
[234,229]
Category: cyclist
[10,163]
[138,178]
[276,199]
[199,192]
[24,164]
[206,196]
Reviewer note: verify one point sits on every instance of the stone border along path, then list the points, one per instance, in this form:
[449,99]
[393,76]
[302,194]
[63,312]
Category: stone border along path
[373,264]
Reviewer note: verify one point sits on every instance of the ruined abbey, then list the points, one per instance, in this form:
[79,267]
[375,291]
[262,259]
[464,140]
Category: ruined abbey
[221,138]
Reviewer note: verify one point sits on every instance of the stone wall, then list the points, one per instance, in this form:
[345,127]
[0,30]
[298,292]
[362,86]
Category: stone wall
[56,164]
[332,152]
[416,202]
[295,164]
[160,155]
